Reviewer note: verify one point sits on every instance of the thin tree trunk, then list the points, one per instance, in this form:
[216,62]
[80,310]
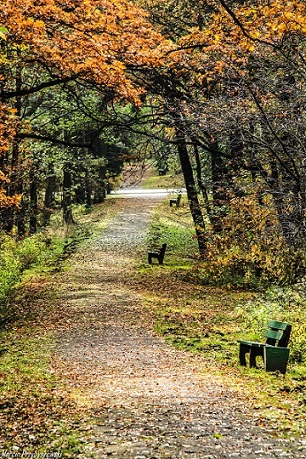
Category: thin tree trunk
[201,184]
[218,174]
[88,200]
[14,215]
[67,201]
[33,204]
[49,196]
[99,189]
[194,204]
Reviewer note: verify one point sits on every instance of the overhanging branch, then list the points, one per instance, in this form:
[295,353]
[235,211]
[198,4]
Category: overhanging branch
[56,141]
[243,29]
[25,92]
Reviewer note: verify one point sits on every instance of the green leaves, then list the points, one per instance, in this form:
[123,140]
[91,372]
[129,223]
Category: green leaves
[3,32]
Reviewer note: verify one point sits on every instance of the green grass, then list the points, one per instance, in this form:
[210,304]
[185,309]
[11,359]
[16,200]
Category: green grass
[170,180]
[22,355]
[175,227]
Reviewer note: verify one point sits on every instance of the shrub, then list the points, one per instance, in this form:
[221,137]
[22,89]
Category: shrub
[16,256]
[32,250]
[10,269]
[251,250]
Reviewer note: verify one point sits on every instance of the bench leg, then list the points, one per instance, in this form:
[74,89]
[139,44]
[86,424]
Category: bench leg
[255,351]
[252,358]
[243,350]
[152,255]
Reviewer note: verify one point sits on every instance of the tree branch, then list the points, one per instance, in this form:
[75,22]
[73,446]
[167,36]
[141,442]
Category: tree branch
[23,135]
[34,89]
[243,29]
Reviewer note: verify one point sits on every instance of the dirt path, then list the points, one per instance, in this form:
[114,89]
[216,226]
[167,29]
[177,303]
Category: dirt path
[146,399]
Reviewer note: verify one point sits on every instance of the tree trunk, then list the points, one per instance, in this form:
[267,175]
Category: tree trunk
[49,196]
[99,189]
[67,191]
[88,200]
[17,185]
[194,204]
[12,215]
[218,173]
[33,204]
[201,183]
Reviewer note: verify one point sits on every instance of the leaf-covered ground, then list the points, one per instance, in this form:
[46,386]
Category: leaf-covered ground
[108,385]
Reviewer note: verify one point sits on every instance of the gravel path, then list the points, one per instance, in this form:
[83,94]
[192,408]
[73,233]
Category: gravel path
[146,399]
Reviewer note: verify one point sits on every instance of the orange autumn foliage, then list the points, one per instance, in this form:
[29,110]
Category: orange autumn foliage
[231,34]
[89,39]
[51,42]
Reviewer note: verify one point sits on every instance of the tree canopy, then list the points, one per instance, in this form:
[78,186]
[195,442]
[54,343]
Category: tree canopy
[221,84]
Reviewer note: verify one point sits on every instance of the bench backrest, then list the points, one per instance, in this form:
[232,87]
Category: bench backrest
[163,249]
[278,333]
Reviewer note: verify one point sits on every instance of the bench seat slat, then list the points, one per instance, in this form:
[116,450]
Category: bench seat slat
[251,343]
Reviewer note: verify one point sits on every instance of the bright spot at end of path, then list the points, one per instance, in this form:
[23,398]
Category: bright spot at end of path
[143,192]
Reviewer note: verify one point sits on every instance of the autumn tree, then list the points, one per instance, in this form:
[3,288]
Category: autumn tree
[254,67]
[51,45]
[233,86]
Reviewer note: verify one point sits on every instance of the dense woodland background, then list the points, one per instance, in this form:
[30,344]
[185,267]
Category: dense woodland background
[214,89]
[206,95]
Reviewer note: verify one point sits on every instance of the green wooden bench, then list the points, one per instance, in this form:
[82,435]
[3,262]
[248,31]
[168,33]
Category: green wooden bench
[277,336]
[159,254]
[176,201]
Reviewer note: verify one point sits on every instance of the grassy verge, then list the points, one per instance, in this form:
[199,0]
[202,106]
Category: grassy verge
[198,317]
[39,417]
[170,180]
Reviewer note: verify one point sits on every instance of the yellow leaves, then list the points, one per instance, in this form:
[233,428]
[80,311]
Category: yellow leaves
[282,28]
[217,38]
[7,201]
[232,42]
[281,17]
[3,178]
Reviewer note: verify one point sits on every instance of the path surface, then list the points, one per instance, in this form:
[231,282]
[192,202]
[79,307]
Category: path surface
[148,400]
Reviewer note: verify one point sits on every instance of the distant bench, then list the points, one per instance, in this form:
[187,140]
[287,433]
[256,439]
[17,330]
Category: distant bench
[176,201]
[159,254]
